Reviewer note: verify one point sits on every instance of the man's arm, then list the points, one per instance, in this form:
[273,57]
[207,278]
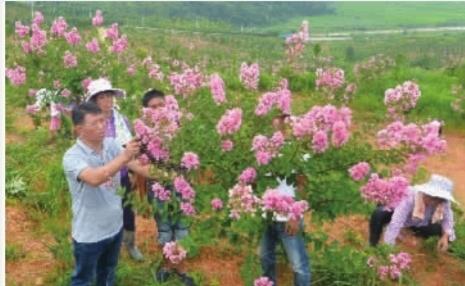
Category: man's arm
[149,171]
[97,176]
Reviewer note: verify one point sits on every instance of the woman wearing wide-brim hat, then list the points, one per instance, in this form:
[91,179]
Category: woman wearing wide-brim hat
[102,93]
[426,211]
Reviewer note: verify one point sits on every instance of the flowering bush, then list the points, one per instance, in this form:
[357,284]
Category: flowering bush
[402,98]
[250,75]
[295,43]
[174,252]
[397,264]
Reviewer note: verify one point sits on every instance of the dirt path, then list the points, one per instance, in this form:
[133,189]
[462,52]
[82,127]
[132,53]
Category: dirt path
[34,257]
[452,164]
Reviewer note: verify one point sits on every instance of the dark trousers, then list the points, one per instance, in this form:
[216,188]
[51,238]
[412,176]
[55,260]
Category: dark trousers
[98,258]
[129,217]
[380,218]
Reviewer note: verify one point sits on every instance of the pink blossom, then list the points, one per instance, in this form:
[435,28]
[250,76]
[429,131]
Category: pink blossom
[26,46]
[93,46]
[113,32]
[387,192]
[33,109]
[230,122]
[174,252]
[402,98]
[295,43]
[340,135]
[131,70]
[59,27]
[38,18]
[72,37]
[187,209]
[283,205]
[21,30]
[320,141]
[267,148]
[65,93]
[263,281]
[330,79]
[281,97]
[242,201]
[247,176]
[55,123]
[217,89]
[160,192]
[227,145]
[85,83]
[402,260]
[38,38]
[249,75]
[97,20]
[184,188]
[120,45]
[383,272]
[359,171]
[190,160]
[69,60]
[155,72]
[217,204]
[16,75]
[187,82]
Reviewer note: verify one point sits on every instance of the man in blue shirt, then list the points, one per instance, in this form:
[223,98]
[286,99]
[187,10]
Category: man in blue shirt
[92,168]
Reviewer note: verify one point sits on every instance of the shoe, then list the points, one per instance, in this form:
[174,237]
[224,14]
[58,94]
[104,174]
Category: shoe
[162,275]
[186,279]
[129,241]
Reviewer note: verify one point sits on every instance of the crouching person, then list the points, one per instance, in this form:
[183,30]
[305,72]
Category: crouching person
[92,168]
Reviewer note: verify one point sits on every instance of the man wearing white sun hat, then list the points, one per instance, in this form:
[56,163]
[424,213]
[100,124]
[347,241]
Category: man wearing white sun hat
[426,211]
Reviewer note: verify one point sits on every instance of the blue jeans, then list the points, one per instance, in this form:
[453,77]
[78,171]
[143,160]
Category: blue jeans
[168,228]
[98,258]
[294,247]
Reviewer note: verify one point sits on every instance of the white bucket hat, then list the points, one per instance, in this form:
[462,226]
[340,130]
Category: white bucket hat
[100,85]
[438,186]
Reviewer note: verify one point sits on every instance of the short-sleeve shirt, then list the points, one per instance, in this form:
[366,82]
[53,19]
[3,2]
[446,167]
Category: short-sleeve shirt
[97,211]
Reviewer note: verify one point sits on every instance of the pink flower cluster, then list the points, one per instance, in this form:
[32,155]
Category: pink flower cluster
[174,252]
[359,171]
[227,145]
[217,89]
[398,263]
[267,148]
[131,70]
[186,82]
[21,30]
[281,98]
[160,192]
[93,46]
[283,205]
[187,193]
[331,78]
[374,66]
[263,281]
[119,45]
[217,204]
[72,37]
[156,129]
[424,138]
[97,20]
[38,40]
[247,176]
[69,60]
[112,33]
[295,43]
[387,192]
[16,75]
[230,122]
[59,27]
[38,18]
[242,201]
[322,122]
[250,75]
[190,161]
[402,98]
